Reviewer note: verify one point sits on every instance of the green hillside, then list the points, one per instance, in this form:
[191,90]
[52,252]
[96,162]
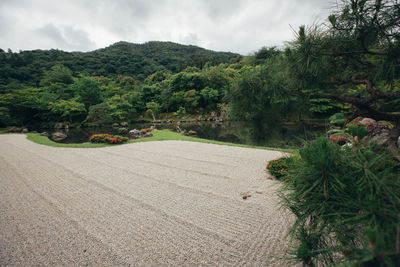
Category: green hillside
[122,58]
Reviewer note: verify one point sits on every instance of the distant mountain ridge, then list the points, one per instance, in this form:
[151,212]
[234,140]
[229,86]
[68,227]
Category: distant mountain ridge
[121,58]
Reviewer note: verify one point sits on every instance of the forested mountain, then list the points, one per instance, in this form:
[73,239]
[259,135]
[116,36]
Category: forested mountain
[122,58]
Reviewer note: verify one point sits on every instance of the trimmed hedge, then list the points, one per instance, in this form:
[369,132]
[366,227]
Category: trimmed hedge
[108,139]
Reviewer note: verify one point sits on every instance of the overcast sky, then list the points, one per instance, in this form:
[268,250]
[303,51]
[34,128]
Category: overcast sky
[241,26]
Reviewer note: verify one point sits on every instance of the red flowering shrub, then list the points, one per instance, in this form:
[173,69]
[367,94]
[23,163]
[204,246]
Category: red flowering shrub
[341,140]
[280,167]
[108,138]
[356,128]
[355,122]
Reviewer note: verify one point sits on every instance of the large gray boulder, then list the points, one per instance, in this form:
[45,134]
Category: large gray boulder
[367,121]
[58,136]
[378,133]
[135,133]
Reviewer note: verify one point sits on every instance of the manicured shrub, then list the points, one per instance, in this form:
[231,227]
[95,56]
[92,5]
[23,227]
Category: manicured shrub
[358,130]
[280,167]
[347,205]
[108,139]
[355,128]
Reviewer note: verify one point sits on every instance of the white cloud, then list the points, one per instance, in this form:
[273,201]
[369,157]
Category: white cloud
[223,25]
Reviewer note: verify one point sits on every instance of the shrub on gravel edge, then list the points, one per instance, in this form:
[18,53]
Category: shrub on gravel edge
[280,167]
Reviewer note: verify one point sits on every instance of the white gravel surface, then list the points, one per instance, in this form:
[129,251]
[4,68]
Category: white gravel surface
[144,204]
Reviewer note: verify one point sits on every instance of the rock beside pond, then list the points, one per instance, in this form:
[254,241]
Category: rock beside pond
[58,136]
[192,133]
[44,134]
[14,129]
[123,130]
[148,135]
[135,133]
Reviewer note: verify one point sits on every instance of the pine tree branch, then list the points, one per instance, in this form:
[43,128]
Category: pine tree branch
[364,109]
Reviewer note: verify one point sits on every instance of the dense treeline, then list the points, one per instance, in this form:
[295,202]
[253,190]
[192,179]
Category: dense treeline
[45,96]
[120,81]
[122,58]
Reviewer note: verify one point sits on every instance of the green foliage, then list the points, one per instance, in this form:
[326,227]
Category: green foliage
[352,60]
[258,92]
[322,106]
[23,106]
[218,78]
[60,90]
[358,130]
[57,74]
[347,205]
[118,107]
[110,79]
[191,99]
[88,91]
[98,114]
[153,108]
[265,53]
[157,77]
[209,98]
[177,100]
[188,80]
[122,58]
[180,112]
[355,128]
[337,117]
[5,118]
[280,167]
[67,109]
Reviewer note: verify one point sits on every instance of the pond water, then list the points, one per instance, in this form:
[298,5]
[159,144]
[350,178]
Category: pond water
[251,133]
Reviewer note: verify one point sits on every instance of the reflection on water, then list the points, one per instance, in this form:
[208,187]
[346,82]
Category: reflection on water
[251,133]
[254,133]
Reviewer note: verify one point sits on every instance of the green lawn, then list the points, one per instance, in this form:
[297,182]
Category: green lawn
[158,135]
